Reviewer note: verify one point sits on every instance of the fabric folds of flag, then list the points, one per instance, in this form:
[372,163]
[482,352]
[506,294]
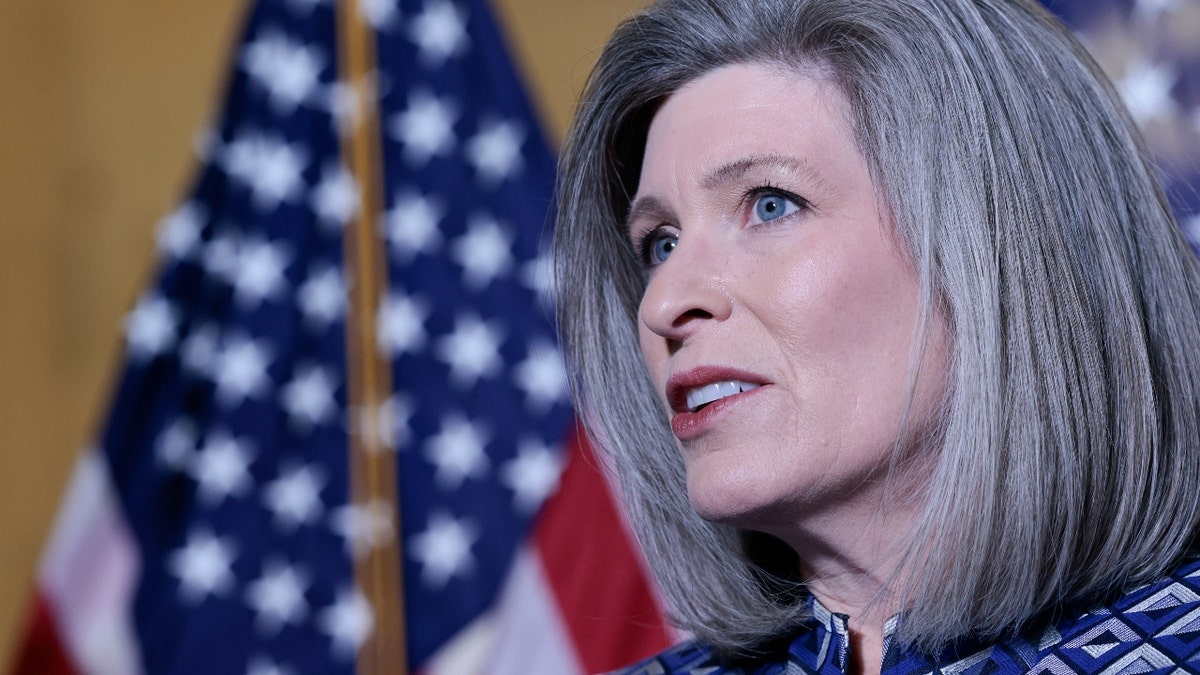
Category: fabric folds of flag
[213,528]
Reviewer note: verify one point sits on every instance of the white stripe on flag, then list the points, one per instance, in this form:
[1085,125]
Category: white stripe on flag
[533,639]
[88,571]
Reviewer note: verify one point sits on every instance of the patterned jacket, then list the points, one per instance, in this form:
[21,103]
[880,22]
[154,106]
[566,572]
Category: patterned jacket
[1153,629]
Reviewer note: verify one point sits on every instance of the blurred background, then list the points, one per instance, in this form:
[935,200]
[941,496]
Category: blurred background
[101,103]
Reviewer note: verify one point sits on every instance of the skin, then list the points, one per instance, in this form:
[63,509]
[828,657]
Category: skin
[769,253]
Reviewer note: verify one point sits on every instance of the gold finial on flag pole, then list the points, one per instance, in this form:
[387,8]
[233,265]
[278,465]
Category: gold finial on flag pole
[374,486]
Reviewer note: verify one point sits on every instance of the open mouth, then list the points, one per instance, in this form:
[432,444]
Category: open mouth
[700,397]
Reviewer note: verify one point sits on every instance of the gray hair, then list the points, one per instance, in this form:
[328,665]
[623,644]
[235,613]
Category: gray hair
[1067,458]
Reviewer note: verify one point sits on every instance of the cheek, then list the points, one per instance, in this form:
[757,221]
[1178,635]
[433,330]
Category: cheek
[846,324]
[858,296]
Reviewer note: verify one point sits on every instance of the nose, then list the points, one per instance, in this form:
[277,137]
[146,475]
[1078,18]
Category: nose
[687,291]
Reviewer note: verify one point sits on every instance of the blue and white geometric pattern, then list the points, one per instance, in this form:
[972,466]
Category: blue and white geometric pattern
[1154,629]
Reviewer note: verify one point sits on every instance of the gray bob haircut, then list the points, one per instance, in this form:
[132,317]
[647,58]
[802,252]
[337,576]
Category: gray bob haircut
[1067,452]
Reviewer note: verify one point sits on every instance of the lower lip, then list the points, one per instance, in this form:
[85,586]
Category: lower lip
[690,425]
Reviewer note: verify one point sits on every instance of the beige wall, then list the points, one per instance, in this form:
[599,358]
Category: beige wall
[99,104]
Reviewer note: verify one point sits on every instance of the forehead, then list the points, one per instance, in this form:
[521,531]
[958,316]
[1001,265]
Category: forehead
[717,124]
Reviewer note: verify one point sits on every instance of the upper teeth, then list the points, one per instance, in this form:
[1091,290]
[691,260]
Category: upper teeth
[714,392]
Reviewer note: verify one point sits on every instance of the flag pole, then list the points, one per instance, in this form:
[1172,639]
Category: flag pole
[374,488]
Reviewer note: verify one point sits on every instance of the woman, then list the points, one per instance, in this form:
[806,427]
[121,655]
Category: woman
[888,333]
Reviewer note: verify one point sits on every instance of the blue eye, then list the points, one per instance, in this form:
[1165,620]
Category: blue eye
[661,246]
[773,206]
[657,247]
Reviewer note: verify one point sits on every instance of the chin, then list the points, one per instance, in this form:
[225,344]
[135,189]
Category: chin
[726,499]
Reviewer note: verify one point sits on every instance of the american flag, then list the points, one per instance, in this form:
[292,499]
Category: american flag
[1151,51]
[212,529]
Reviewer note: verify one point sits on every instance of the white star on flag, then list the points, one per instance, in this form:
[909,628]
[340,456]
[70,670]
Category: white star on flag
[308,397]
[542,376]
[203,566]
[373,424]
[288,71]
[150,329]
[364,527]
[270,167]
[538,276]
[199,351]
[411,225]
[400,325]
[265,666]
[395,421]
[348,622]
[220,256]
[347,103]
[444,549]
[425,128]
[173,447]
[295,496]
[278,172]
[1148,11]
[259,273]
[532,475]
[458,452]
[241,370]
[472,351]
[439,31]
[495,151]
[221,468]
[322,296]
[1191,228]
[1146,89]
[381,14]
[277,597]
[484,252]
[388,424]
[262,665]
[179,233]
[336,198]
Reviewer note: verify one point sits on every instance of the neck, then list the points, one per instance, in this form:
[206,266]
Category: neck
[852,568]
[868,602]
[866,651]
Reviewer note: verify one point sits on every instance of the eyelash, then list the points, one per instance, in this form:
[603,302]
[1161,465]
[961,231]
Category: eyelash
[754,194]
[644,241]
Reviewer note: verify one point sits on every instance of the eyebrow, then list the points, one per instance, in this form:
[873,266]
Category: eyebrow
[649,208]
[732,171]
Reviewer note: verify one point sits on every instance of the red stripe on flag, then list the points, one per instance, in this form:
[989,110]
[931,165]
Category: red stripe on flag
[595,571]
[41,651]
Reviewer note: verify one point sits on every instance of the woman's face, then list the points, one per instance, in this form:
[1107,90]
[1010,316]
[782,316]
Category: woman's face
[779,320]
